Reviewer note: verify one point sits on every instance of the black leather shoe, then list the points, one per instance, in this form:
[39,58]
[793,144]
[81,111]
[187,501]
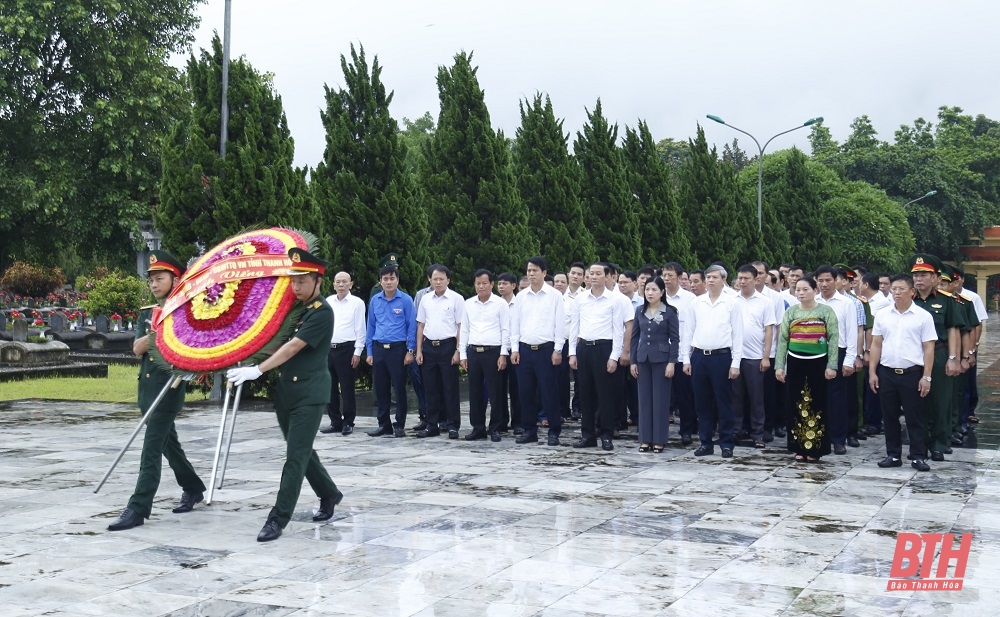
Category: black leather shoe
[452,434]
[890,462]
[871,430]
[428,432]
[606,445]
[126,520]
[948,450]
[861,436]
[270,531]
[380,431]
[495,436]
[704,450]
[326,506]
[329,429]
[398,432]
[920,465]
[347,430]
[727,453]
[839,448]
[188,500]
[957,441]
[553,440]
[853,442]
[768,437]
[686,440]
[585,443]
[531,438]
[937,456]
[420,426]
[518,432]
[779,433]
[476,435]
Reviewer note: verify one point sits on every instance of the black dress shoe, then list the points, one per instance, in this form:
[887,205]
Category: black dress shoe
[871,430]
[326,506]
[861,436]
[585,443]
[606,445]
[428,432]
[727,453]
[920,465]
[553,440]
[937,455]
[518,432]
[188,500]
[768,437]
[948,450]
[890,462]
[495,436]
[126,520]
[476,435]
[704,450]
[347,430]
[853,442]
[329,429]
[957,441]
[398,432]
[530,438]
[420,426]
[270,531]
[380,431]
[779,432]
[839,448]
[686,440]
[452,434]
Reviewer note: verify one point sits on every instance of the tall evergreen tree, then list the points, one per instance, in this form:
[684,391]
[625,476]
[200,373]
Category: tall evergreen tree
[610,210]
[662,232]
[363,187]
[477,219]
[549,186]
[206,199]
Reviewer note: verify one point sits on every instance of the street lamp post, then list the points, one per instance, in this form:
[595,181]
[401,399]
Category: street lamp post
[924,196]
[760,160]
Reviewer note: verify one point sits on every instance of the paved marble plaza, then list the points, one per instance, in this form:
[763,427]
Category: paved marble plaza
[449,528]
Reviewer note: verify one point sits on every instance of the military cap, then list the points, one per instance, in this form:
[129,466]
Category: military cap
[848,271]
[162,261]
[304,262]
[957,271]
[389,260]
[947,272]
[925,262]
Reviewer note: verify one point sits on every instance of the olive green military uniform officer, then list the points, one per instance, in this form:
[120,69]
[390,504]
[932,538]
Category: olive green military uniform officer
[947,322]
[949,287]
[303,392]
[161,436]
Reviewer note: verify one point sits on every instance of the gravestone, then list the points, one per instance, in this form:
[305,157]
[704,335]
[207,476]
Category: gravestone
[31,303]
[57,322]
[3,322]
[19,331]
[101,324]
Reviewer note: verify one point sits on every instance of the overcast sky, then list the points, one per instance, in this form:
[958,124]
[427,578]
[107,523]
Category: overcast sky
[764,66]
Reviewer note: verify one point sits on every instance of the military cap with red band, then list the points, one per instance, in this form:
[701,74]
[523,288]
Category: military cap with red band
[304,262]
[925,262]
[162,261]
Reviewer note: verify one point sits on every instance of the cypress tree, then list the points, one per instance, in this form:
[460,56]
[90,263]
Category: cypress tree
[362,186]
[662,232]
[609,208]
[476,217]
[549,186]
[795,198]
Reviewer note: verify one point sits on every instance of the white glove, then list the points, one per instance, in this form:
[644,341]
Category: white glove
[244,373]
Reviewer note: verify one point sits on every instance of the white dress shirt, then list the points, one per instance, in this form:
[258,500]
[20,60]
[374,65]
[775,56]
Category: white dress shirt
[628,311]
[348,321]
[537,318]
[903,335]
[758,313]
[713,326]
[878,302]
[789,298]
[779,314]
[441,314]
[485,323]
[594,318]
[847,323]
[977,303]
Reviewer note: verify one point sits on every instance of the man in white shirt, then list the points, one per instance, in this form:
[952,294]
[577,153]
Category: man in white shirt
[348,340]
[439,321]
[681,299]
[627,286]
[791,277]
[511,416]
[774,409]
[596,342]
[537,334]
[847,328]
[869,292]
[577,273]
[903,338]
[696,282]
[711,350]
[758,337]
[485,340]
[970,399]
[629,395]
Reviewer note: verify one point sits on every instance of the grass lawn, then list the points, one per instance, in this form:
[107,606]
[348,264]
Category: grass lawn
[119,387]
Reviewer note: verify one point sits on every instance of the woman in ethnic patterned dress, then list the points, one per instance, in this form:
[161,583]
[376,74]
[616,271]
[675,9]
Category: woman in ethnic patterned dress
[808,332]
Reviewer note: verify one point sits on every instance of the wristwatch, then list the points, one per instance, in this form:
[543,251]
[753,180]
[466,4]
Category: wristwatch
[927,379]
[411,352]
[953,357]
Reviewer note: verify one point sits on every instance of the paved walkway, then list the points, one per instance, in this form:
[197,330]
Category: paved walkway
[448,528]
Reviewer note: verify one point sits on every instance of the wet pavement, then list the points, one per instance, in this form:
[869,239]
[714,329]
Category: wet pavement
[436,527]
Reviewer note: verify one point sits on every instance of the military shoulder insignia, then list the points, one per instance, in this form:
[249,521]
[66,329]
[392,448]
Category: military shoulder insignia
[945,293]
[316,304]
[151,306]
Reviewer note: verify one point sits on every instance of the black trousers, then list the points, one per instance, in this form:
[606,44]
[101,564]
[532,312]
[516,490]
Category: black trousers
[342,385]
[483,371]
[748,396]
[536,377]
[684,395]
[900,391]
[388,372]
[510,398]
[564,378]
[773,415]
[600,391]
[441,383]
[837,391]
[713,395]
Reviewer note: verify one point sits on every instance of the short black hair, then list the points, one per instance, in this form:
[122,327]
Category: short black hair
[789,266]
[387,270]
[902,277]
[430,270]
[810,280]
[539,262]
[700,273]
[871,280]
[613,267]
[548,278]
[825,269]
[578,264]
[508,277]
[794,267]
[438,268]
[483,271]
[630,275]
[649,271]
[674,267]
[757,263]
[605,265]
[747,269]
[560,273]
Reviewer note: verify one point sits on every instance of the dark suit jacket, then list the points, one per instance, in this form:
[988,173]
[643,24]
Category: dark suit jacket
[654,341]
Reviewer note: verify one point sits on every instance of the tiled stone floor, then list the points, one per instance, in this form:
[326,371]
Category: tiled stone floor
[448,528]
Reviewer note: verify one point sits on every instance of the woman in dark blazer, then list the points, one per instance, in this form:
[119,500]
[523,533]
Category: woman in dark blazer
[655,335]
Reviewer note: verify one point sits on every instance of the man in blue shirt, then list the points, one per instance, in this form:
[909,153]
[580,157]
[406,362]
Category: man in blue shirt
[391,338]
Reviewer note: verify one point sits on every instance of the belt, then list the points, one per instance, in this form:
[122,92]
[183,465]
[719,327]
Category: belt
[903,371]
[438,343]
[483,348]
[390,345]
[714,352]
[539,346]
[600,341]
[344,344]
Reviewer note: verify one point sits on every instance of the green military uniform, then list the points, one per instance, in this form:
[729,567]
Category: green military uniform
[947,315]
[958,382]
[161,435]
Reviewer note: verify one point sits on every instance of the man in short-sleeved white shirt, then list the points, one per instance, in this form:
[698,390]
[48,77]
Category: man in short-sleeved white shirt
[348,340]
[758,337]
[439,322]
